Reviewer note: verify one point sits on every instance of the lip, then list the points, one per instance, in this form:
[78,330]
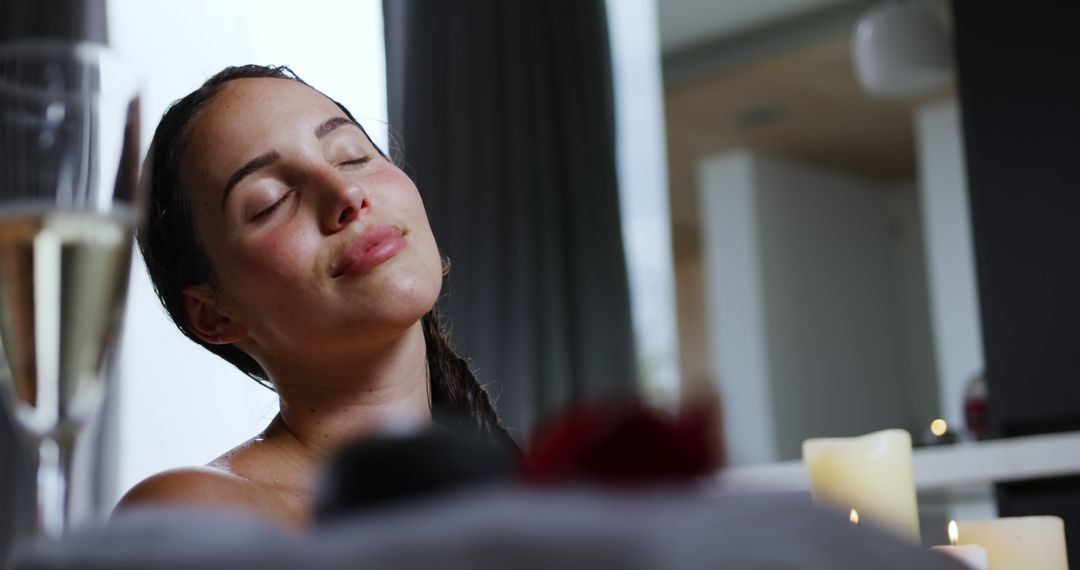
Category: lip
[370,249]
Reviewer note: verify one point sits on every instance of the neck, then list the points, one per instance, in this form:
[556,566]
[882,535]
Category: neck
[325,405]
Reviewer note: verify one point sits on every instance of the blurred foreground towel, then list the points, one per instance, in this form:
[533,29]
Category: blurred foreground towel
[506,528]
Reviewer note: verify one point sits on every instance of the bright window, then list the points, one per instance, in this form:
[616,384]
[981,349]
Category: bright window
[641,154]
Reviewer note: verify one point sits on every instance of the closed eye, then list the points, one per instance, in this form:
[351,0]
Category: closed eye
[355,161]
[270,209]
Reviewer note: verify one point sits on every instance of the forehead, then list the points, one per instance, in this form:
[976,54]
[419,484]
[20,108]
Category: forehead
[249,117]
[240,100]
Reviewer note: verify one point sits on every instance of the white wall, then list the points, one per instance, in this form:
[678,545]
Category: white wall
[920,359]
[734,300]
[179,404]
[806,304]
[832,304]
[949,252]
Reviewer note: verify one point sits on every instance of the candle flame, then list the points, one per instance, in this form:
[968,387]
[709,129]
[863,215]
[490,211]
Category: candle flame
[938,427]
[854,518]
[954,533]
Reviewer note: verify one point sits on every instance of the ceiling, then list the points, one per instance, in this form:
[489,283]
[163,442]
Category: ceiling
[685,23]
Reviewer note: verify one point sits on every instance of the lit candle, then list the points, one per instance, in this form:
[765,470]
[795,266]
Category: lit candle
[871,473]
[1019,543]
[973,555]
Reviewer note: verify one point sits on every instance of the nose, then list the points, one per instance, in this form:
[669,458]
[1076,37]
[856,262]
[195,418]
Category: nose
[342,201]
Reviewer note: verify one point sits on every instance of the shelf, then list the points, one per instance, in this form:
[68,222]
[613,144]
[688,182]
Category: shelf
[941,467]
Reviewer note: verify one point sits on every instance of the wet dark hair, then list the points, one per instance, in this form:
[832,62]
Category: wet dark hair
[175,259]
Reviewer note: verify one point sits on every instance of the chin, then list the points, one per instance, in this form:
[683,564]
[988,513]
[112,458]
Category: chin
[406,301]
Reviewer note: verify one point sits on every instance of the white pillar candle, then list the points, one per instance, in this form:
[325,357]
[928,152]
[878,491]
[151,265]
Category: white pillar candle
[973,555]
[1019,543]
[870,473]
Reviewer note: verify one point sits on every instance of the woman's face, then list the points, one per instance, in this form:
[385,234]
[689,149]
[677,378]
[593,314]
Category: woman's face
[317,242]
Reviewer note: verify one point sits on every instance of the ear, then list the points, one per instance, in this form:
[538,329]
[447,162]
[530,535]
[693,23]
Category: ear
[206,319]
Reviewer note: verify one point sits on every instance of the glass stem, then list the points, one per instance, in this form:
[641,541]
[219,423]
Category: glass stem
[54,470]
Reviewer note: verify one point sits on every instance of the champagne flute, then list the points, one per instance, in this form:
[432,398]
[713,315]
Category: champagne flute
[68,206]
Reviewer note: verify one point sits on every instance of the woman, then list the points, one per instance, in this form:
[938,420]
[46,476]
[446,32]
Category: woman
[282,239]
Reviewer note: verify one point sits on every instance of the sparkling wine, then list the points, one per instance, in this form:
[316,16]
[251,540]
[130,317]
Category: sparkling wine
[63,278]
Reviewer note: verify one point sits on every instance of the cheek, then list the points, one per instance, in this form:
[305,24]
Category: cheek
[433,268]
[428,248]
[267,275]
[282,259]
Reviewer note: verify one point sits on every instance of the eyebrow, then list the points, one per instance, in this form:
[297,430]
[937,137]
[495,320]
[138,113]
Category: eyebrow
[331,124]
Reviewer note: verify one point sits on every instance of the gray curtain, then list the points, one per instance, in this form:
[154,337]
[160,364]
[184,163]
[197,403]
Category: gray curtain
[502,111]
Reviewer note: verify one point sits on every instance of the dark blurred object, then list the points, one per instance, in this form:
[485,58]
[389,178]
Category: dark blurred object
[625,444]
[53,19]
[975,407]
[386,469]
[1020,119]
[16,486]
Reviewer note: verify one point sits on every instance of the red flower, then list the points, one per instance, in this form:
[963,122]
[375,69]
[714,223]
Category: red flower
[626,444]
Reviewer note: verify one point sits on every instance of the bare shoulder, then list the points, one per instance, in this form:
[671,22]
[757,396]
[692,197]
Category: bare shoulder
[191,486]
[258,476]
